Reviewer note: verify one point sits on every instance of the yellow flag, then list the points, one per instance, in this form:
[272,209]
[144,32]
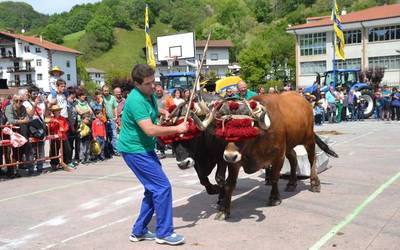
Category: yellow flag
[149,45]
[338,29]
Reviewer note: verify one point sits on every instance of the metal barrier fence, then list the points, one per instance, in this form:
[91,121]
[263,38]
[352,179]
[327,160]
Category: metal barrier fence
[13,157]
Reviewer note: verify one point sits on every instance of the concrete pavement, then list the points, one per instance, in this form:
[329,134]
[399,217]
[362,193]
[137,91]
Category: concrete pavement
[94,207]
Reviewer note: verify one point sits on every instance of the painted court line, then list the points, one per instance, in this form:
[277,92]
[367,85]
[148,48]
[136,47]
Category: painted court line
[349,218]
[129,217]
[62,187]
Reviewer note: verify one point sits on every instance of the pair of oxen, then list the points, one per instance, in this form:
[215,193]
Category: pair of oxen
[282,121]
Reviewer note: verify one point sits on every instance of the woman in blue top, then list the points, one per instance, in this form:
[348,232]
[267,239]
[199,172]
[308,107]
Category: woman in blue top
[136,144]
[396,104]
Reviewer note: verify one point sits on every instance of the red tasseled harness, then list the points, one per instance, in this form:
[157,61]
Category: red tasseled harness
[192,132]
[233,128]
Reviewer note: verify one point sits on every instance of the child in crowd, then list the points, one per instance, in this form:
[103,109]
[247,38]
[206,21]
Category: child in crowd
[58,125]
[99,132]
[85,136]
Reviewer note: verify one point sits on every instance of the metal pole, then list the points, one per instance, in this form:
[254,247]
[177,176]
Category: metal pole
[334,48]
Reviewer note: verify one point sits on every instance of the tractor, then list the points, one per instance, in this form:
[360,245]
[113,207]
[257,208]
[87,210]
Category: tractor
[350,79]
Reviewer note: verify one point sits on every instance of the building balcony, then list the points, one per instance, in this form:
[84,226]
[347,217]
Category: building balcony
[20,69]
[10,57]
[20,83]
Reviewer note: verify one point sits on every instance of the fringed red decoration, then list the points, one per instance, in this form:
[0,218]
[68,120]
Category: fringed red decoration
[236,129]
[192,132]
[171,108]
[233,106]
[253,104]
[217,105]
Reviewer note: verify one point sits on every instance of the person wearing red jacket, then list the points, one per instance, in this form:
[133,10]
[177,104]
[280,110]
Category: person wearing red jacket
[58,125]
[99,133]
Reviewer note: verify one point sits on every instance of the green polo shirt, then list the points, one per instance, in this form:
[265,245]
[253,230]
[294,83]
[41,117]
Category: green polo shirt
[249,94]
[111,104]
[132,138]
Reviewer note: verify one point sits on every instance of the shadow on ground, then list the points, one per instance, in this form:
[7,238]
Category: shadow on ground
[253,196]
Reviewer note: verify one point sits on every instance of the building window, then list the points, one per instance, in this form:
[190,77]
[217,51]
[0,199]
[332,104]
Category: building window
[353,63]
[68,64]
[28,78]
[307,68]
[200,56]
[313,44]
[387,62]
[352,36]
[38,62]
[27,49]
[68,77]
[214,57]
[39,77]
[384,33]
[37,50]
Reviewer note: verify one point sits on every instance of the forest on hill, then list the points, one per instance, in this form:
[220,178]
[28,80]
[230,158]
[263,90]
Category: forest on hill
[256,27]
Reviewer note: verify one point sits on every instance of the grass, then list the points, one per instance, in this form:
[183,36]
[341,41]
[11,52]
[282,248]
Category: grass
[72,40]
[127,50]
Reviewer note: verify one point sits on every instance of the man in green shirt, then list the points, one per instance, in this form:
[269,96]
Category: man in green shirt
[244,92]
[136,143]
[110,103]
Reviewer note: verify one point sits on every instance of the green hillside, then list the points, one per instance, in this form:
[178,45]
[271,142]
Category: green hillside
[126,52]
[72,40]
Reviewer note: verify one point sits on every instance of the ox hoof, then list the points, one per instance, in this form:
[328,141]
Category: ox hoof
[274,202]
[315,188]
[290,188]
[221,216]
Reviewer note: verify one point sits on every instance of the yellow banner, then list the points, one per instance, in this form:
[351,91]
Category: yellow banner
[149,45]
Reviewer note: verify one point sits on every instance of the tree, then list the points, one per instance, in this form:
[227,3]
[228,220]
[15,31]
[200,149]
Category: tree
[53,32]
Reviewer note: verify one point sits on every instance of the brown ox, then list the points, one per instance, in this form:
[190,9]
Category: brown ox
[290,124]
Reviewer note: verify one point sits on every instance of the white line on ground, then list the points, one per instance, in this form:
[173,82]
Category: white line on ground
[17,242]
[57,221]
[128,218]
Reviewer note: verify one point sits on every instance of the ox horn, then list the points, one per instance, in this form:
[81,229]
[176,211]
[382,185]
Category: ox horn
[202,125]
[261,115]
[203,109]
[263,120]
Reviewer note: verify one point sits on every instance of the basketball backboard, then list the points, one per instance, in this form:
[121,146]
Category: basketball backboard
[178,46]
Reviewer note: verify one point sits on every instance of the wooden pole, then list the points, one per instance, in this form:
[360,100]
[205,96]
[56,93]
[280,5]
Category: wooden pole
[197,78]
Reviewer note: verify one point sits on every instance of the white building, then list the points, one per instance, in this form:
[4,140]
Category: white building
[26,60]
[372,39]
[217,59]
[97,76]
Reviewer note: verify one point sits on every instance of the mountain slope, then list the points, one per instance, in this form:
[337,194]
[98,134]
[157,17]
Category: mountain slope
[126,52]
[17,16]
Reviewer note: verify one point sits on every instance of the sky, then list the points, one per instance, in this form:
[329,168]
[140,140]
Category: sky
[53,6]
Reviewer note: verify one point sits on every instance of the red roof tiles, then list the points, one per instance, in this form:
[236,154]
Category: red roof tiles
[375,13]
[214,43]
[41,42]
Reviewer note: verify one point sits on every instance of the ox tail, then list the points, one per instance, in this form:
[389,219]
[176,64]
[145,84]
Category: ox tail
[324,146]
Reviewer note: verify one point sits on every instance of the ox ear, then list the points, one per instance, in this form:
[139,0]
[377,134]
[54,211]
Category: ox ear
[263,121]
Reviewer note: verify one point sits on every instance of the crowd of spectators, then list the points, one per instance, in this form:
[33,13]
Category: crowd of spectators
[337,105]
[77,120]
[80,120]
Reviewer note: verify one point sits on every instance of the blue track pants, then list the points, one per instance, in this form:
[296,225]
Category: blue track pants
[157,194]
